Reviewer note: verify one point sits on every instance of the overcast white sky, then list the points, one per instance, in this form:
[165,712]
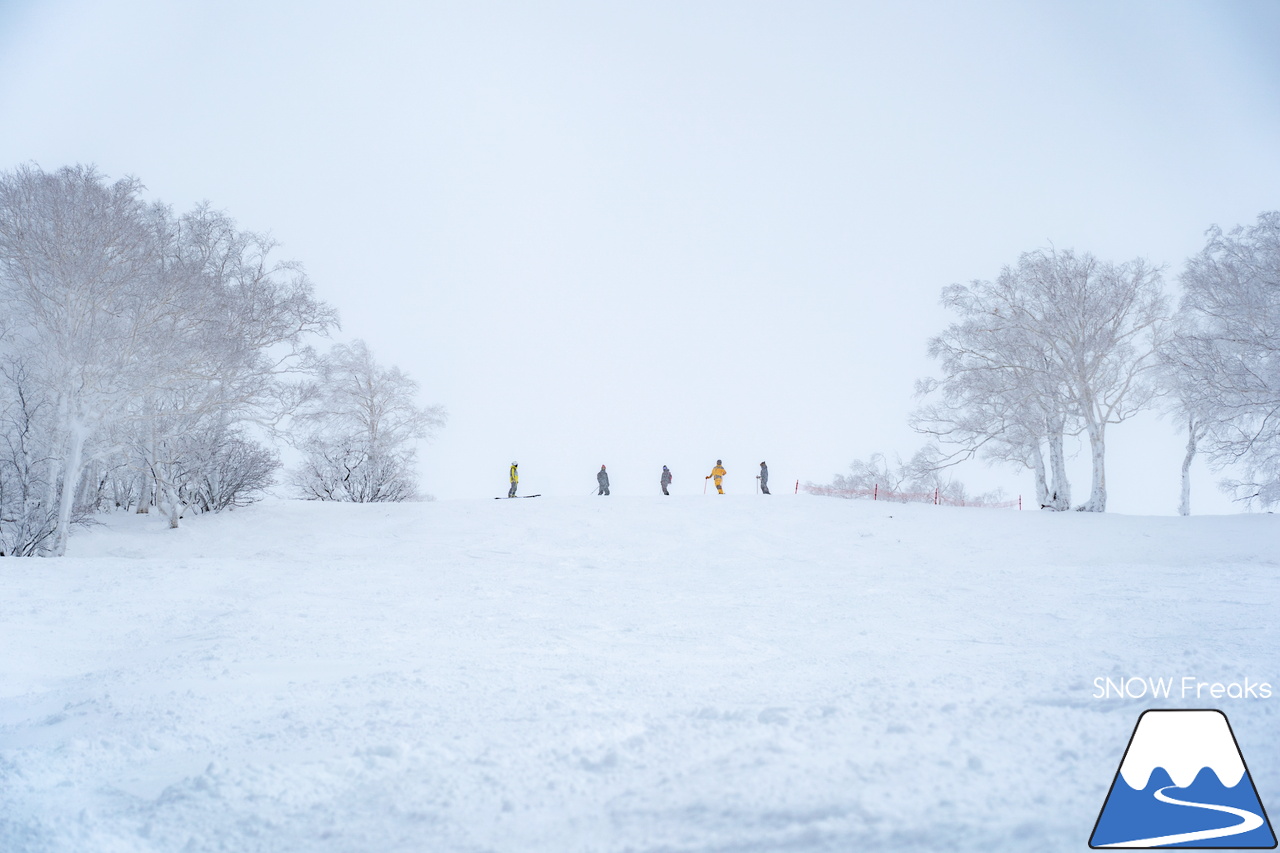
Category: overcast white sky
[665,233]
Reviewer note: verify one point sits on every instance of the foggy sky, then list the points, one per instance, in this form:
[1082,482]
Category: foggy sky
[666,233]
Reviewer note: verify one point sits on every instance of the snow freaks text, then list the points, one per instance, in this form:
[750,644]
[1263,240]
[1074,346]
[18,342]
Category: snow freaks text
[1185,687]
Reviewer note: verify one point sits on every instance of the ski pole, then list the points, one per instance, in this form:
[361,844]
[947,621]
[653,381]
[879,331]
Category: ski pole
[704,484]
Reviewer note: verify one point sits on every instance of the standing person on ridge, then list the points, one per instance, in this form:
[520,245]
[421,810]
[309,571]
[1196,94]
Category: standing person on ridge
[515,480]
[717,474]
[666,479]
[603,479]
[764,478]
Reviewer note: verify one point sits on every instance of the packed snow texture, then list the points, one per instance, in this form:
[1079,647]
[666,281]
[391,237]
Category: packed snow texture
[690,673]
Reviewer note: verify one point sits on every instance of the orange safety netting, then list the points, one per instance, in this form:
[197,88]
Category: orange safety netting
[934,497]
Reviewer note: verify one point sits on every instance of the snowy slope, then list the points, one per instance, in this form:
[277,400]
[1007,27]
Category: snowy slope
[611,674]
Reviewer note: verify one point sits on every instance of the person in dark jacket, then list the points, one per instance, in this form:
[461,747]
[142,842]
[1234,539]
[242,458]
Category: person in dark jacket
[666,479]
[764,478]
[603,479]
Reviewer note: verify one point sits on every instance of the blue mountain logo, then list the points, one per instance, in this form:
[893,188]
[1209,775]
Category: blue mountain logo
[1183,783]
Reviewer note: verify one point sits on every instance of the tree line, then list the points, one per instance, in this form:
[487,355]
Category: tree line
[1063,344]
[151,360]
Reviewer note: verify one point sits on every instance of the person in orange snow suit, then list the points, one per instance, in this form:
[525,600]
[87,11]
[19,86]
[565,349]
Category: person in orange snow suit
[515,480]
[717,474]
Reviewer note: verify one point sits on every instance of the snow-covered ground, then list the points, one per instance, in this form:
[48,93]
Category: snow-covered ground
[611,674]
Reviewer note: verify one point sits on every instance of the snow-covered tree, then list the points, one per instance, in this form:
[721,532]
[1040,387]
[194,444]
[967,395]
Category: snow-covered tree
[358,431]
[1226,357]
[1000,395]
[1058,341]
[1183,399]
[230,470]
[195,464]
[928,470]
[924,477]
[130,336]
[873,473]
[76,275]
[1103,324]
[28,464]
[243,323]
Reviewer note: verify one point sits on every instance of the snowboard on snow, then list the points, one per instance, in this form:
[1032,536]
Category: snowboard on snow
[504,497]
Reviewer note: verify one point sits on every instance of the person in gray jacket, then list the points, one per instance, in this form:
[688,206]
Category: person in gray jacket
[666,479]
[603,479]
[764,478]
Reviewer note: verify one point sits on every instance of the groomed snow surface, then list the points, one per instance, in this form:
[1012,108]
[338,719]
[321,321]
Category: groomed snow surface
[690,673]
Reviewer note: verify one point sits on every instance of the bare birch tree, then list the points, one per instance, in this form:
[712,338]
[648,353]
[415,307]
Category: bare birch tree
[925,477]
[1103,324]
[1185,400]
[358,431]
[1059,339]
[1000,395]
[1227,354]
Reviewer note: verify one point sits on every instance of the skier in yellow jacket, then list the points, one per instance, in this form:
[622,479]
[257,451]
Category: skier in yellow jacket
[717,474]
[515,480]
